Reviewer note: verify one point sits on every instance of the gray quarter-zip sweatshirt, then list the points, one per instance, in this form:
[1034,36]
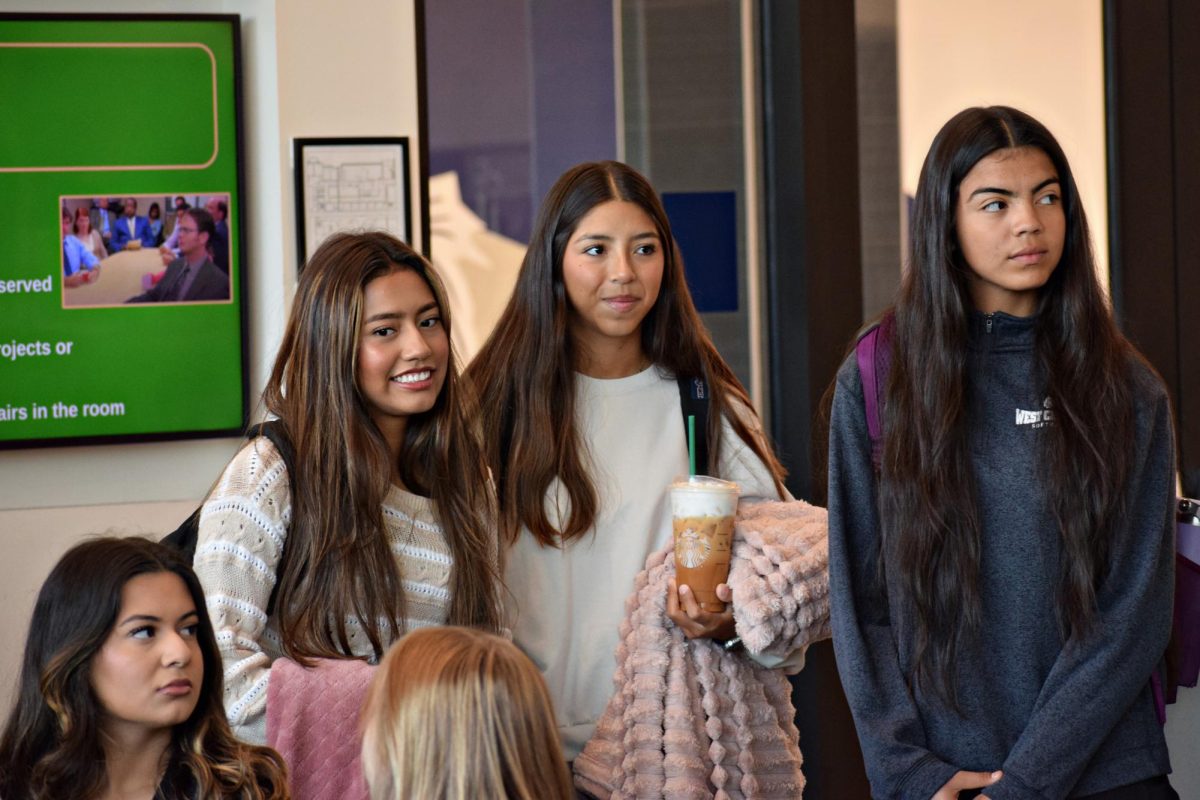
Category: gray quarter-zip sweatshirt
[1061,718]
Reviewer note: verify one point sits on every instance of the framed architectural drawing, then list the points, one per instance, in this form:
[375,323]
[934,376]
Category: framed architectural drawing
[348,185]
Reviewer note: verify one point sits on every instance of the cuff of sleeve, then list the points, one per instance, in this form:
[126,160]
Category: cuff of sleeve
[925,777]
[1010,787]
[792,663]
[253,730]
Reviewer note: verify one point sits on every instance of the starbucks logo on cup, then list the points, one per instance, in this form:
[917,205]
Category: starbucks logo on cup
[691,549]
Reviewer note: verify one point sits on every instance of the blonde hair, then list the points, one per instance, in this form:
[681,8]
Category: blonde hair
[457,713]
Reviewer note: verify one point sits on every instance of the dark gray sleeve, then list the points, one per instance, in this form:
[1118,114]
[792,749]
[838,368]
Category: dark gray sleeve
[1095,679]
[899,763]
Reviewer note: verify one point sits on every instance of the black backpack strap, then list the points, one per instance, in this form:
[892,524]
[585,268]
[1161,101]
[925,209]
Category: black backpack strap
[183,538]
[273,429]
[693,401]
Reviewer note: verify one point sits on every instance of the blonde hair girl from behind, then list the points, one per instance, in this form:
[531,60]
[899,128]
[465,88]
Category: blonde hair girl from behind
[456,714]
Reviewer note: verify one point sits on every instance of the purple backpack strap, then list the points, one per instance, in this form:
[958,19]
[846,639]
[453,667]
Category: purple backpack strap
[874,355]
[1160,698]
[1182,664]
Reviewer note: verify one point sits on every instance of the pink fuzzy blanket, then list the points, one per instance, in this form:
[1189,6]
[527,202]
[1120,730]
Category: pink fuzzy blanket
[689,720]
[312,720]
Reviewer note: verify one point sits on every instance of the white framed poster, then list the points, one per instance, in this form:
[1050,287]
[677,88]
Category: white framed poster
[348,184]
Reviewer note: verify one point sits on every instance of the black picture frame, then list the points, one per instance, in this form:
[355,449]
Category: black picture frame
[373,192]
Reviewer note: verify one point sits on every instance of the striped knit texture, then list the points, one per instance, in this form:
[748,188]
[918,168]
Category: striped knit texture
[243,530]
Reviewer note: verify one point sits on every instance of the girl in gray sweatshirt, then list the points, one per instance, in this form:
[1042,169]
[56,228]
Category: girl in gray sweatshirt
[1001,569]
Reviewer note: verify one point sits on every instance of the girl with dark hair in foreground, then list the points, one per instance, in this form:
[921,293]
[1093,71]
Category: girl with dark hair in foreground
[1001,583]
[120,691]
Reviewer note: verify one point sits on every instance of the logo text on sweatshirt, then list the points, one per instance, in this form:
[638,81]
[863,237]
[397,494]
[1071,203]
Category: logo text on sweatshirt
[1036,419]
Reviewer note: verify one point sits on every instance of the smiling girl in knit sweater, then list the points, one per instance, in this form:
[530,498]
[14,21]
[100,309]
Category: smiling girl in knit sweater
[386,523]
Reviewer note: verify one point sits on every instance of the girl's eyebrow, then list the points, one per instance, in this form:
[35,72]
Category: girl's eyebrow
[604,237]
[430,306]
[152,618]
[1010,192]
[993,190]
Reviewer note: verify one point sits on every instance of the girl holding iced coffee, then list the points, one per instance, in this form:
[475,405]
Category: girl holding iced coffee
[584,433]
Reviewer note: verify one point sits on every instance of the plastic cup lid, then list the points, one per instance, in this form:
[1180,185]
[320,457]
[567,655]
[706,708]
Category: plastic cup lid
[704,483]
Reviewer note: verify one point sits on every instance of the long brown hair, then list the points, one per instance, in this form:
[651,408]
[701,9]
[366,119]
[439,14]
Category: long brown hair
[457,714]
[526,369]
[337,562]
[51,747]
[930,520]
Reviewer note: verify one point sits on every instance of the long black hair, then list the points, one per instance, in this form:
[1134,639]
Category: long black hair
[930,520]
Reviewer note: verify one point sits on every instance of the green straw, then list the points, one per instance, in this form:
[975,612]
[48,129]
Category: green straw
[692,443]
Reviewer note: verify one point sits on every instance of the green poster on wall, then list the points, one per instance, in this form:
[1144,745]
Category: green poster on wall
[121,259]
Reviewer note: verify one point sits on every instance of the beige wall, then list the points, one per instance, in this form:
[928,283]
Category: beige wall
[346,69]
[1045,58]
[310,69]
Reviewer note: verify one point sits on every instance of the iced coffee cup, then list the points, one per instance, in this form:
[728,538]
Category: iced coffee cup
[702,510]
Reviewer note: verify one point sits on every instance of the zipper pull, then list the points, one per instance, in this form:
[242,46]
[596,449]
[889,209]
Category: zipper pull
[988,326]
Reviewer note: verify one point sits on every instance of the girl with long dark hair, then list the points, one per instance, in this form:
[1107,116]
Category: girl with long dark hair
[582,427]
[1001,581]
[120,689]
[154,217]
[387,521]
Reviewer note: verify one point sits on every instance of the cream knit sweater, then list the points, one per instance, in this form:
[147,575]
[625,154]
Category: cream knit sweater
[243,530]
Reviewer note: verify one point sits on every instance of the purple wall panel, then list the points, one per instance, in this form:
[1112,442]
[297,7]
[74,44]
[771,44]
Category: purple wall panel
[574,100]
[518,91]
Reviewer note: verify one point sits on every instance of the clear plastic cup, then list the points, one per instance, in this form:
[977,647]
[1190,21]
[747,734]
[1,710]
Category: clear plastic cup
[702,511]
